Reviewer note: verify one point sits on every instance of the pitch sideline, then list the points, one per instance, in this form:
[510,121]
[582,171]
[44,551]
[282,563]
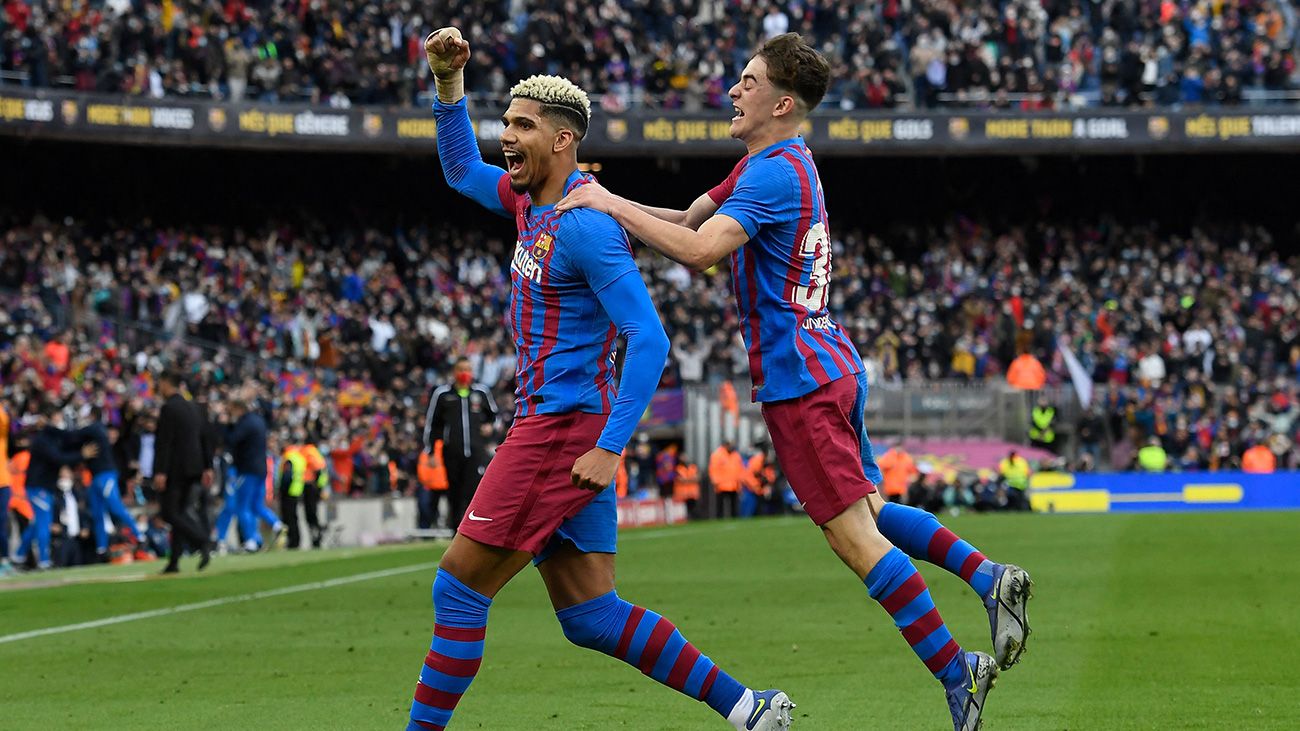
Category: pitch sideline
[269,593]
[235,599]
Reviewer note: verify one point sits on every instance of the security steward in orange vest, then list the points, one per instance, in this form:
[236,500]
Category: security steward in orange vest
[686,487]
[432,475]
[726,473]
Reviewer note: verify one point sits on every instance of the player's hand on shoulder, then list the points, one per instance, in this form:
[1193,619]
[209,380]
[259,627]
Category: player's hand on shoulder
[447,51]
[589,195]
[595,470]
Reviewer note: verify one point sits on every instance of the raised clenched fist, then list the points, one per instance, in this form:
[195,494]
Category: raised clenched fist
[447,51]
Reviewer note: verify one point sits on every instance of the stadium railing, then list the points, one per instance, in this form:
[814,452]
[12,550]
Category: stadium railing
[932,410]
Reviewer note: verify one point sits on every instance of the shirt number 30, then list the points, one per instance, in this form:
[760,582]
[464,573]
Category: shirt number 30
[812,296]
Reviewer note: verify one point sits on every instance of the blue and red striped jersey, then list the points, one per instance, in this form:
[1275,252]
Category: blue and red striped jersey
[781,276]
[574,286]
[564,338]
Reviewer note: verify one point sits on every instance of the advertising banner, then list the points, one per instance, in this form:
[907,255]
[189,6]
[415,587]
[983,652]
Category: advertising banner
[137,120]
[1129,492]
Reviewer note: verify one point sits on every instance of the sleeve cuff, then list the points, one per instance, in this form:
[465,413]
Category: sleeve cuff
[439,105]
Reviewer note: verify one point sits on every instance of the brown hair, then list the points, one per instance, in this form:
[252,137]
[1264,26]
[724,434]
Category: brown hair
[795,66]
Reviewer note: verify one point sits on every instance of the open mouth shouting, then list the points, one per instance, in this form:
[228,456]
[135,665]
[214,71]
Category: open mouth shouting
[514,162]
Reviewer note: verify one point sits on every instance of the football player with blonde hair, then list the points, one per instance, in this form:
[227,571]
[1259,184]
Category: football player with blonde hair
[545,497]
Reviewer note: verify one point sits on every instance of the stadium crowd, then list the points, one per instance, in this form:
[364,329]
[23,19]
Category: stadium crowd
[668,53]
[1192,341]
[1195,339]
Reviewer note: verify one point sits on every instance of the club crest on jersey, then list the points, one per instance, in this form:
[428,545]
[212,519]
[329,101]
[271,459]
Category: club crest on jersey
[542,246]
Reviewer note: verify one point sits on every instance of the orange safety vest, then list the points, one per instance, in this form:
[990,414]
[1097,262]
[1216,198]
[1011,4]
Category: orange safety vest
[18,482]
[431,471]
[315,462]
[1026,373]
[687,485]
[726,471]
[898,468]
[1258,460]
[760,475]
[4,454]
[620,477]
[729,400]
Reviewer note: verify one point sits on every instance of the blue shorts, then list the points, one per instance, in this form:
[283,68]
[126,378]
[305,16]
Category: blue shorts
[594,530]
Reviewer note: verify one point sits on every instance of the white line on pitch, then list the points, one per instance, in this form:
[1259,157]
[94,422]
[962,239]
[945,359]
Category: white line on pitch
[168,611]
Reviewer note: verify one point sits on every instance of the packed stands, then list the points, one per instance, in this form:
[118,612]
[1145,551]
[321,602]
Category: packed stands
[1193,338]
[669,54]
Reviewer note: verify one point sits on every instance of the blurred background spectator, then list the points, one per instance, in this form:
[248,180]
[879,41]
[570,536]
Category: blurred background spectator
[672,54]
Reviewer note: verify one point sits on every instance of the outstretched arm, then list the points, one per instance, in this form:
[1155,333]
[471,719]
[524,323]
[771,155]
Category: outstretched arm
[717,237]
[703,208]
[462,164]
[52,451]
[691,218]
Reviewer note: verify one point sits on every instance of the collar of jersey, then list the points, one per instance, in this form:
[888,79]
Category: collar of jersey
[575,179]
[772,150]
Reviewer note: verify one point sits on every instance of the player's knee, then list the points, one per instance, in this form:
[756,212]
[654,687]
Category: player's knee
[592,624]
[854,537]
[580,633]
[457,604]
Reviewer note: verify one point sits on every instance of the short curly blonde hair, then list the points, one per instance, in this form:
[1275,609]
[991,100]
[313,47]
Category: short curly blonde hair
[557,95]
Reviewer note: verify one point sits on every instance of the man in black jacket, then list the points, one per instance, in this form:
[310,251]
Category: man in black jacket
[178,471]
[463,415]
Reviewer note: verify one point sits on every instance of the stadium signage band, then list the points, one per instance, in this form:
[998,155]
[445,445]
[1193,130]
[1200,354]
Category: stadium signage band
[1131,492]
[49,114]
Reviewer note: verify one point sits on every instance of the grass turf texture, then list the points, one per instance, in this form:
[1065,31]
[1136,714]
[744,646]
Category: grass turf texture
[1141,622]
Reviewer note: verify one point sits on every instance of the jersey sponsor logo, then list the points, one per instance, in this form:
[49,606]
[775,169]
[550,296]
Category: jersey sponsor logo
[527,266]
[543,246]
[478,518]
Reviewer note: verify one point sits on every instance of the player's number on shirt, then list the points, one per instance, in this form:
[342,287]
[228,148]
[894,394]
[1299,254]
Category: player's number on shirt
[816,247]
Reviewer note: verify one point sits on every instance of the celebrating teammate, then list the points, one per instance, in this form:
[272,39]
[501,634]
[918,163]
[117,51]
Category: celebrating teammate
[105,497]
[543,498]
[770,217]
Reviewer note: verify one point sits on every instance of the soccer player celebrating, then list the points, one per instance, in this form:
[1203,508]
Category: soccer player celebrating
[544,496]
[770,217]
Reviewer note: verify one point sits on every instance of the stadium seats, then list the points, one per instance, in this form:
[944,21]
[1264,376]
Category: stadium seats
[1205,357]
[678,54]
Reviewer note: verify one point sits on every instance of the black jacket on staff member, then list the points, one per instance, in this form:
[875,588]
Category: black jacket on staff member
[463,415]
[178,450]
[179,455]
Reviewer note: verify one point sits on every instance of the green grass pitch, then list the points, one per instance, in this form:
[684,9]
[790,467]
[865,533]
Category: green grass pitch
[1141,622]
